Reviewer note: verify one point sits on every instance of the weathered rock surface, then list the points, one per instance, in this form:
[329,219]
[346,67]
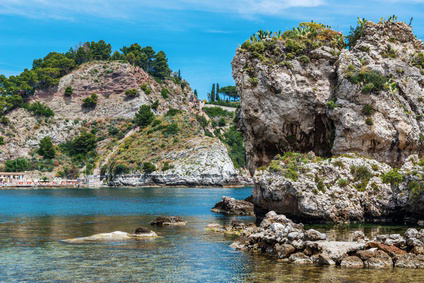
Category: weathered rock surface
[113,236]
[280,237]
[231,206]
[341,189]
[168,221]
[204,163]
[236,227]
[284,103]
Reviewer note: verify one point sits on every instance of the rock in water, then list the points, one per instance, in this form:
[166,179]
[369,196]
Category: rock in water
[168,221]
[113,236]
[231,206]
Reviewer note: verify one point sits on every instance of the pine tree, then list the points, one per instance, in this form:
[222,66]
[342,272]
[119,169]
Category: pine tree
[213,93]
[161,69]
[46,148]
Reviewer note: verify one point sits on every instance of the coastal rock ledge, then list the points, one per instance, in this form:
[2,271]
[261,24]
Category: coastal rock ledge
[231,206]
[280,237]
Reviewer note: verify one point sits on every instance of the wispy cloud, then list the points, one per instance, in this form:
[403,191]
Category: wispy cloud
[66,10]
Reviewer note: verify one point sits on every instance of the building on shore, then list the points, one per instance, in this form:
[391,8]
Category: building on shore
[20,179]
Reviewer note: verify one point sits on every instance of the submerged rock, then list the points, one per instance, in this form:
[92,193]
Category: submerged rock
[231,206]
[168,221]
[113,236]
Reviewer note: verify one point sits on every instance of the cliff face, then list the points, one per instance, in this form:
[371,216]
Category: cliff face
[329,100]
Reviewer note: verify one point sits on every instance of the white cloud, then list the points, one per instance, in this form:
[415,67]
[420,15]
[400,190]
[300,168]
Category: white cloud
[66,9]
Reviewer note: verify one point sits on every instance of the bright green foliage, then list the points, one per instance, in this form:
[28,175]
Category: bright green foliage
[39,109]
[69,91]
[161,69]
[304,59]
[144,116]
[361,174]
[172,112]
[4,120]
[167,166]
[373,81]
[131,93]
[47,149]
[253,81]
[149,167]
[332,103]
[356,33]
[17,165]
[90,102]
[164,93]
[392,177]
[2,142]
[146,89]
[237,153]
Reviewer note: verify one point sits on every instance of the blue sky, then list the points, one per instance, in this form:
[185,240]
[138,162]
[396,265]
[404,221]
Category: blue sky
[200,37]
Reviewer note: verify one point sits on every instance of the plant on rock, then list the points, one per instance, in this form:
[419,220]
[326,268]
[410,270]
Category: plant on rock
[90,102]
[46,149]
[144,116]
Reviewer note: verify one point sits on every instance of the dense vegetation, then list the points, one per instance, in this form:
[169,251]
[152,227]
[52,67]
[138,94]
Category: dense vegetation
[47,71]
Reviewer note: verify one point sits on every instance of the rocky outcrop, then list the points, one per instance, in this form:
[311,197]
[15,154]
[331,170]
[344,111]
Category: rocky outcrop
[113,236]
[231,206]
[309,94]
[280,237]
[341,189]
[235,228]
[205,162]
[168,221]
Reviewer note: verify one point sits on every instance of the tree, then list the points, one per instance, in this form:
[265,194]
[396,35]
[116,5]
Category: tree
[68,91]
[100,50]
[195,93]
[231,91]
[149,167]
[17,165]
[83,144]
[144,116]
[90,102]
[46,148]
[217,92]
[161,68]
[213,93]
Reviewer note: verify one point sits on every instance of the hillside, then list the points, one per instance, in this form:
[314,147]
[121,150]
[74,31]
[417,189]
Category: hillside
[90,116]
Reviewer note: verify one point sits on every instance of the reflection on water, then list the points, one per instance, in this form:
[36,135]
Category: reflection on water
[32,223]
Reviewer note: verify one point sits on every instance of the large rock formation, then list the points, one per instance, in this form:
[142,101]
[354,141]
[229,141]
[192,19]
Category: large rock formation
[342,189]
[307,93]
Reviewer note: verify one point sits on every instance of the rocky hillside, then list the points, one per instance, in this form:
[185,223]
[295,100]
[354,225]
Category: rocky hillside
[303,91]
[179,134]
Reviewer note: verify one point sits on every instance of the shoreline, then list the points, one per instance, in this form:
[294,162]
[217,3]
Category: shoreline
[124,187]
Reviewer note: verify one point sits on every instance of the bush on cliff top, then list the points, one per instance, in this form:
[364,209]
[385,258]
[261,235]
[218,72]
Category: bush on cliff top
[392,177]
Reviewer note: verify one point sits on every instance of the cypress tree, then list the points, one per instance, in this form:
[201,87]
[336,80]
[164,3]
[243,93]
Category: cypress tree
[217,92]
[195,93]
[213,93]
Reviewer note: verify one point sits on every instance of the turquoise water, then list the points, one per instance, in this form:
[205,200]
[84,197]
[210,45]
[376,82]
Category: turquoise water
[33,223]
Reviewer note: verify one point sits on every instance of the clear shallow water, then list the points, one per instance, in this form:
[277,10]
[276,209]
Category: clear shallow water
[33,223]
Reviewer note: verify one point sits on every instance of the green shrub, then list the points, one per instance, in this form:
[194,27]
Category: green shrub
[155,105]
[90,102]
[292,174]
[237,153]
[213,112]
[374,167]
[293,46]
[342,183]
[4,120]
[156,123]
[369,121]
[419,60]
[321,186]
[171,129]
[367,110]
[2,142]
[222,122]
[46,149]
[69,91]
[369,87]
[331,104]
[164,93]
[146,89]
[208,134]
[148,167]
[172,112]
[304,59]
[393,177]
[121,169]
[81,146]
[39,109]
[144,116]
[253,81]
[202,121]
[17,165]
[167,166]
[132,93]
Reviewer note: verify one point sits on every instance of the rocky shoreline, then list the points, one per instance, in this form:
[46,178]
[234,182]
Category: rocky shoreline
[287,241]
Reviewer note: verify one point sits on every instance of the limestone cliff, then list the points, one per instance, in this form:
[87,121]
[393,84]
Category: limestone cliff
[304,92]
